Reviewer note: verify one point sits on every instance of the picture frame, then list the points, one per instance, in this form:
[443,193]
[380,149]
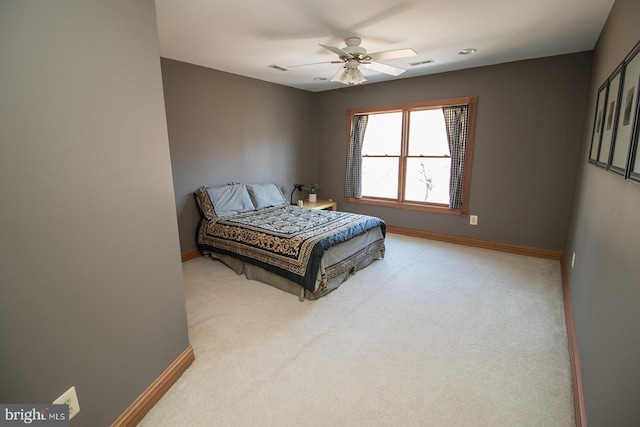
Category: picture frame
[596,135]
[627,119]
[634,161]
[610,118]
[634,151]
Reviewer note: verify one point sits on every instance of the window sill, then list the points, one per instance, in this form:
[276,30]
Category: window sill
[441,209]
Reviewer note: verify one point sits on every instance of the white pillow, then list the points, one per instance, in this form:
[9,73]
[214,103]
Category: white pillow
[230,199]
[265,195]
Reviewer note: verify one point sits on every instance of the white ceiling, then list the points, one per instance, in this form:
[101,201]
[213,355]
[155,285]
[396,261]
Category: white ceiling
[246,36]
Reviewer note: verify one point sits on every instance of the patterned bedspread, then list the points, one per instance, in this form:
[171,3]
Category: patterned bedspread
[285,240]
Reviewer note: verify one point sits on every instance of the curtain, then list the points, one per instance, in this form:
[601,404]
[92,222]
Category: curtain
[456,120]
[353,181]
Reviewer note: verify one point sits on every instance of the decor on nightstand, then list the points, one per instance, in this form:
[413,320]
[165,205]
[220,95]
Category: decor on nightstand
[313,187]
[298,187]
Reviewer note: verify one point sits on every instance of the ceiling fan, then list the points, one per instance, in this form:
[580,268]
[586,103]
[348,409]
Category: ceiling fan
[354,55]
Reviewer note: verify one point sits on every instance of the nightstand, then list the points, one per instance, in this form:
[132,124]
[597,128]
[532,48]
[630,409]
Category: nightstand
[321,204]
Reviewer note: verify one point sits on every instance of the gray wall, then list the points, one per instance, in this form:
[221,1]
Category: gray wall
[528,133]
[604,234]
[530,116]
[91,280]
[224,127]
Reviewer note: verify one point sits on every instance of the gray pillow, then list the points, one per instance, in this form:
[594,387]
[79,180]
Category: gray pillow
[265,195]
[230,199]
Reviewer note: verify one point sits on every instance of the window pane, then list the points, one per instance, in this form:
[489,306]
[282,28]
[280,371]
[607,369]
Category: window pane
[427,133]
[380,177]
[383,134]
[428,180]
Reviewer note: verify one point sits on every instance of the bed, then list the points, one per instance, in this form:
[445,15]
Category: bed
[254,230]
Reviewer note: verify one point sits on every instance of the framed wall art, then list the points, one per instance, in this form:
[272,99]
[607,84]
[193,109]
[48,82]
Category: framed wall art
[596,136]
[626,123]
[615,138]
[634,174]
[610,118]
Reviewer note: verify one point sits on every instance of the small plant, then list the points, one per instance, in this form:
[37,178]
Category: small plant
[313,187]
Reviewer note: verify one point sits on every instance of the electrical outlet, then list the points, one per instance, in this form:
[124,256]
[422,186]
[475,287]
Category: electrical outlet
[573,260]
[70,398]
[473,219]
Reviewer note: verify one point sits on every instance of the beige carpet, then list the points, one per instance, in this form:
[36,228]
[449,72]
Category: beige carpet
[435,334]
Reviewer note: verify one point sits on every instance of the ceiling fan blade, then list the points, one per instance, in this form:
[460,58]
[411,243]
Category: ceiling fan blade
[337,51]
[384,68]
[313,63]
[392,54]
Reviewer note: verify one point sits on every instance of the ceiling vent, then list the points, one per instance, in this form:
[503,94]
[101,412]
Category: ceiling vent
[426,61]
[278,67]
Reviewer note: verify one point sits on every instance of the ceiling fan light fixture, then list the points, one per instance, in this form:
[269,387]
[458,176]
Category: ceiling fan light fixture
[350,76]
[354,55]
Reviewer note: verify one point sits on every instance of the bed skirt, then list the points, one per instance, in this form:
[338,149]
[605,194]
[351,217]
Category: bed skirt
[337,264]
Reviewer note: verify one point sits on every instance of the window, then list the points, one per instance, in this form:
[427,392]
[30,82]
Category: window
[412,156]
